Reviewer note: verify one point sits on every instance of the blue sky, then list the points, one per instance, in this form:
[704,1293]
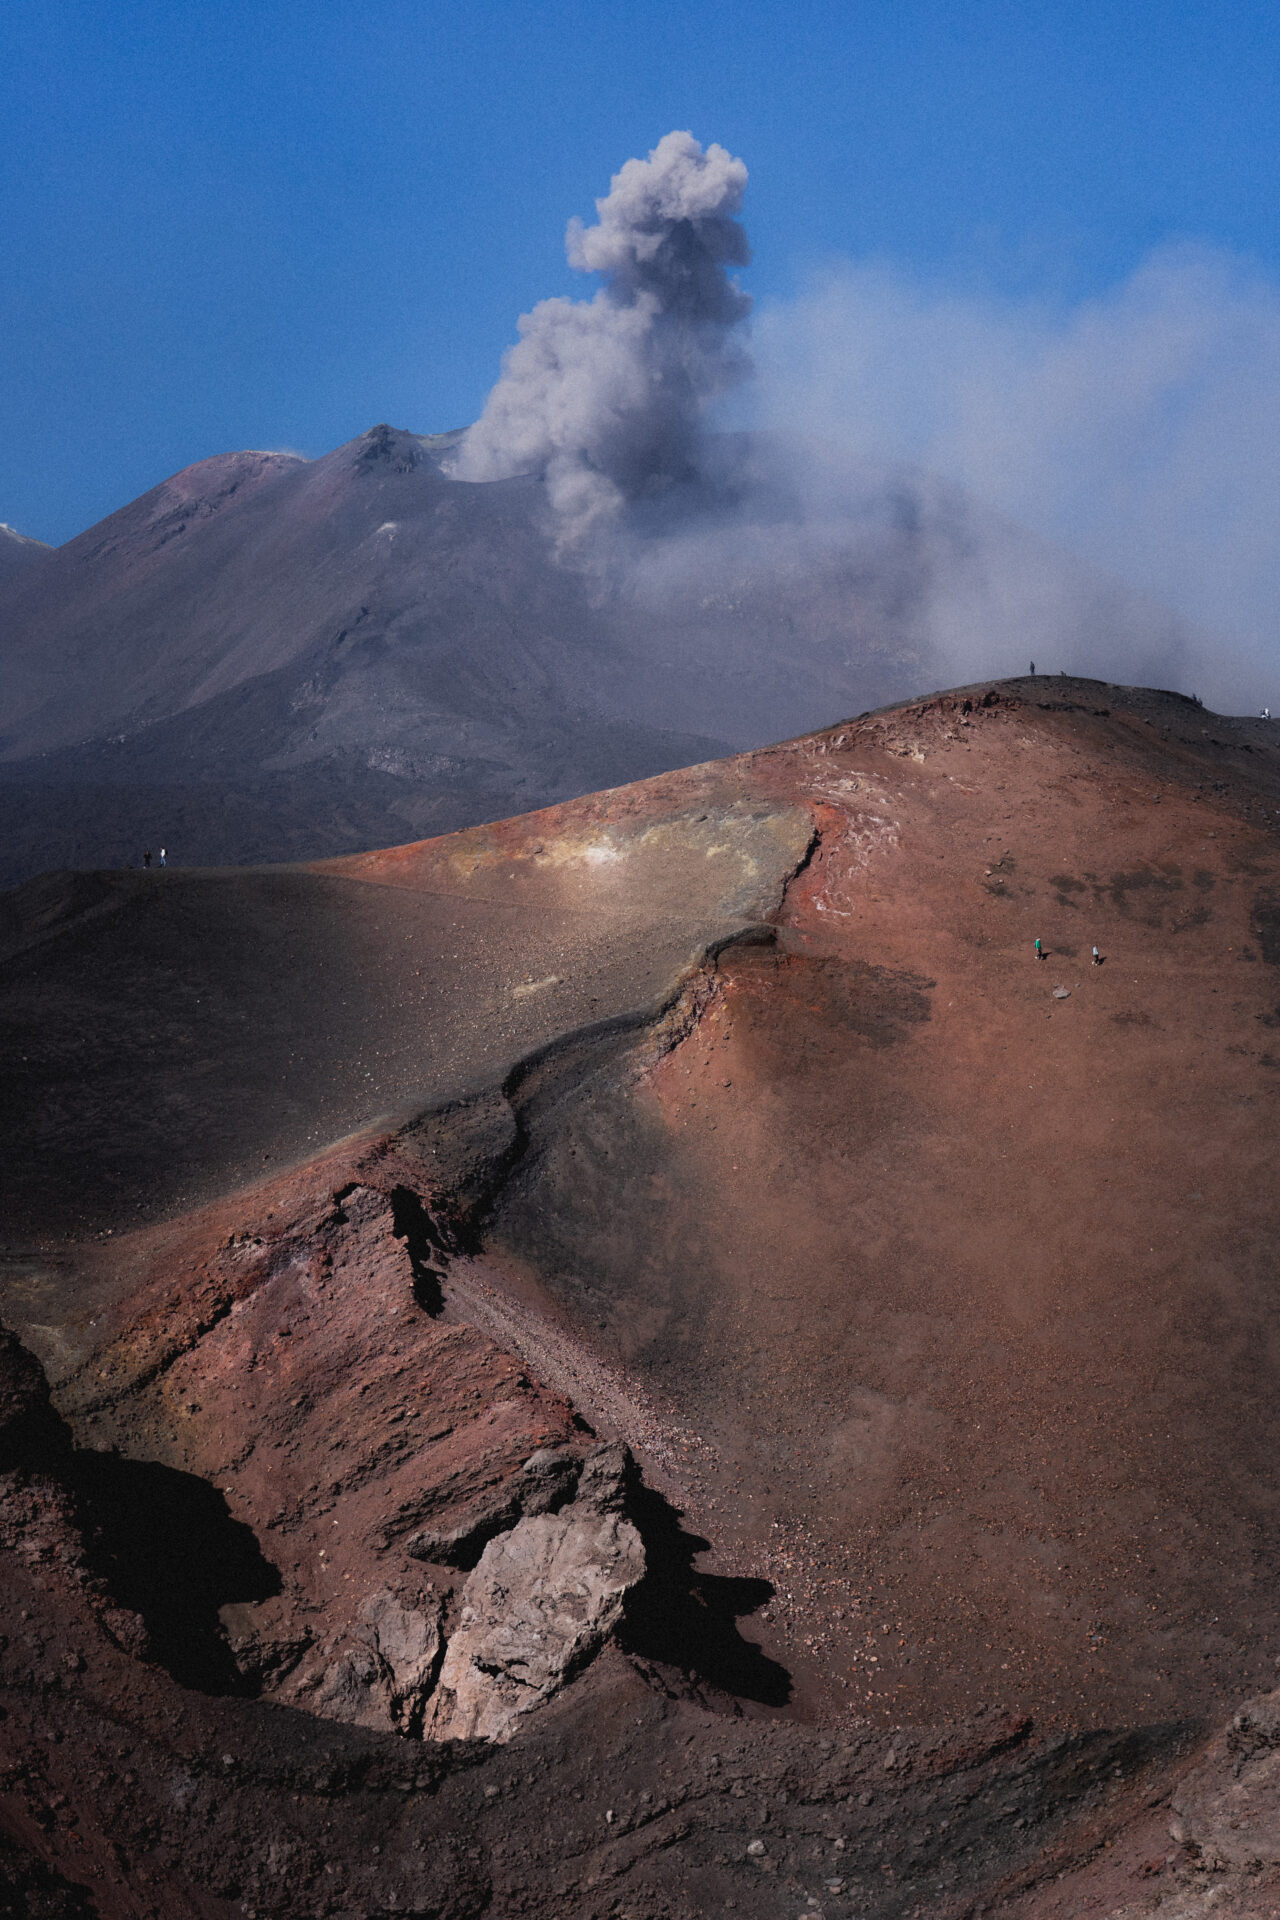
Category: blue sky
[275,224]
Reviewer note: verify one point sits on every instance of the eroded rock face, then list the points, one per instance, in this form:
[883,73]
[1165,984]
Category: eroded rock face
[1228,1809]
[547,1481]
[538,1607]
[379,1672]
[30,1431]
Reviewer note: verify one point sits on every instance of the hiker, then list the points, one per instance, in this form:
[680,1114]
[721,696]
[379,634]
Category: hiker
[1097,958]
[162,856]
[146,858]
[1039,951]
[1033,666]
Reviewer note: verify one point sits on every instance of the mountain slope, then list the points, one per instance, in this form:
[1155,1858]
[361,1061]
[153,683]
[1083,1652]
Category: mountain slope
[267,657]
[18,553]
[959,1192]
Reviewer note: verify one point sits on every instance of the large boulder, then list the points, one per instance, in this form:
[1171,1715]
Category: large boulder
[537,1607]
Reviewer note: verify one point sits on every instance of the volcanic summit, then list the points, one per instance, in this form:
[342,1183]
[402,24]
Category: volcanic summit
[269,658]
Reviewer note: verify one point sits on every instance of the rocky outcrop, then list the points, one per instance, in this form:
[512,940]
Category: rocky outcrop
[1227,1812]
[539,1606]
[380,1671]
[31,1435]
[547,1481]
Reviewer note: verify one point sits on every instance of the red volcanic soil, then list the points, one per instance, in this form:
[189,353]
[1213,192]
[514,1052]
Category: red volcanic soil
[961,1262]
[930,1283]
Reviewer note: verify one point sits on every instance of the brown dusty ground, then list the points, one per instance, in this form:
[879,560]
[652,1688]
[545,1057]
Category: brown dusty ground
[933,1283]
[968,1290]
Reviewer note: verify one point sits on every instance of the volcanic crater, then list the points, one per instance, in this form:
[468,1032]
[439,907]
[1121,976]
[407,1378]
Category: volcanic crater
[662,1355]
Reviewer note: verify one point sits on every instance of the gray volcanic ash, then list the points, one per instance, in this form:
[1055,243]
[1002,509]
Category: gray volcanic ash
[605,398]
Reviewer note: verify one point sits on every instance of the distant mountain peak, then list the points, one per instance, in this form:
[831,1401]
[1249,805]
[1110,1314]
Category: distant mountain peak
[18,551]
[392,447]
[397,450]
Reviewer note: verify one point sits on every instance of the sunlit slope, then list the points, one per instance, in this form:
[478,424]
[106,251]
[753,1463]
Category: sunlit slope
[961,1262]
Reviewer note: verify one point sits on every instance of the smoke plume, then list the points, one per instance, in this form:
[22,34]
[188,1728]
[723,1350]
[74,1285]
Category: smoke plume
[605,397]
[935,484]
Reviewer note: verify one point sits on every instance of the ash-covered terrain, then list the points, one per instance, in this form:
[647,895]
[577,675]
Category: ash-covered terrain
[653,1358]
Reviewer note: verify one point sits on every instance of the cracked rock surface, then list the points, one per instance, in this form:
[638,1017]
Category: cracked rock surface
[536,1609]
[380,1672]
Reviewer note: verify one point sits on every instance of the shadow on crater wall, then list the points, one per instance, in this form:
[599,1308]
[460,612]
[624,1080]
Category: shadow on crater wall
[680,1617]
[167,1548]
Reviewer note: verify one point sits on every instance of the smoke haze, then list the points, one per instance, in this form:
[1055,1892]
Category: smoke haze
[1139,429]
[604,397]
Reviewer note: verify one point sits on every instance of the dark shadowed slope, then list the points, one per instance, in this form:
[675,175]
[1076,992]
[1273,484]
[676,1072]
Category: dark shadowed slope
[171,1031]
[269,658]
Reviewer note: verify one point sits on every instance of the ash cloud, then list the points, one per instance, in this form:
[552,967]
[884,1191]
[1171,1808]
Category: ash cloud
[931,484]
[1138,429]
[605,398]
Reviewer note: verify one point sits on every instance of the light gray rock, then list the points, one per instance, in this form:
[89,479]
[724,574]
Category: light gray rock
[379,1672]
[1229,1806]
[536,1609]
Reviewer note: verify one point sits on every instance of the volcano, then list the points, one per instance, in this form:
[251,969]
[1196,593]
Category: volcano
[17,553]
[712,1344]
[269,658]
